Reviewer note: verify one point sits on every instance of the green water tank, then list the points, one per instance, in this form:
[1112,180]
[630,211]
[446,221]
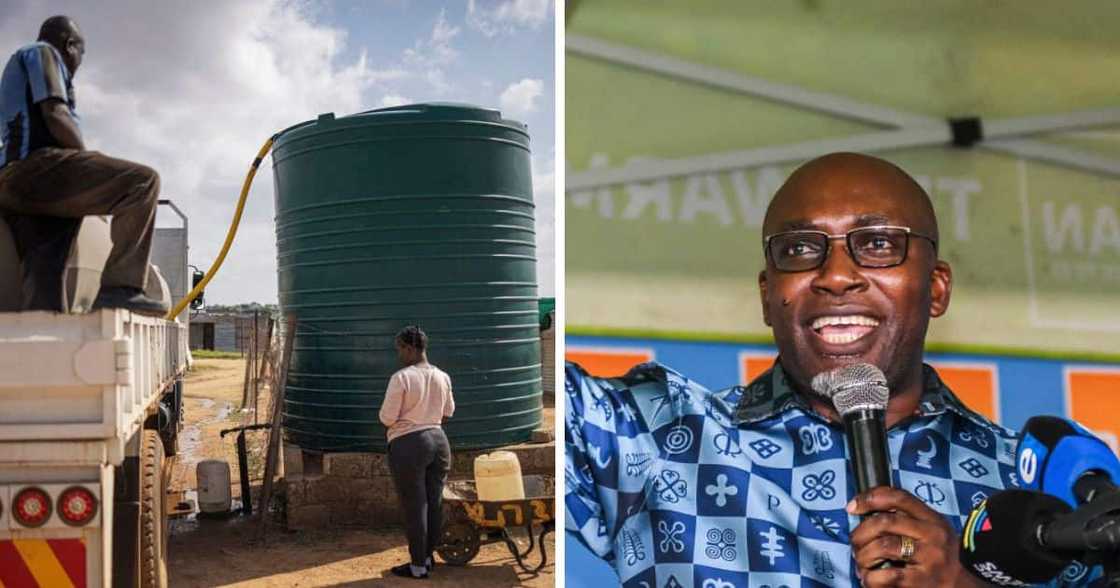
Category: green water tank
[419,214]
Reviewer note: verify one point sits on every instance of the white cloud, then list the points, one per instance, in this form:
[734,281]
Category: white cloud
[520,98]
[393,100]
[498,17]
[434,53]
[443,33]
[544,197]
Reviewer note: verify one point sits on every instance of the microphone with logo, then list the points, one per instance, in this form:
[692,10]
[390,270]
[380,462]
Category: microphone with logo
[1020,537]
[1002,540]
[1060,458]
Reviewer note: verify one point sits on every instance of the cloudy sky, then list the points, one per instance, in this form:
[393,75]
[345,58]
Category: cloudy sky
[194,88]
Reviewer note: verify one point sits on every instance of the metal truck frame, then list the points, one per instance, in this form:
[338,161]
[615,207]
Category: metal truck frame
[90,409]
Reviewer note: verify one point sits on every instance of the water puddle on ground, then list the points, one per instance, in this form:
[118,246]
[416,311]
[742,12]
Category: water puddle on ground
[197,520]
[193,448]
[223,412]
[190,439]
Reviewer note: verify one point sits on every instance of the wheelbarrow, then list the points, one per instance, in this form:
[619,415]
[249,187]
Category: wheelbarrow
[472,523]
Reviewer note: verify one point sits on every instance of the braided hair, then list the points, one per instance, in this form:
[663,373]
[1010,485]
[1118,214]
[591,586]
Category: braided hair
[413,337]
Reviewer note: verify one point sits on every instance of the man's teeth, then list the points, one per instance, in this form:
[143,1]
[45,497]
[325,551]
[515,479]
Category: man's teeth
[850,320]
[851,328]
[840,338]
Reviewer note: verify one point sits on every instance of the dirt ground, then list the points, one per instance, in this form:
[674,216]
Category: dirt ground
[207,552]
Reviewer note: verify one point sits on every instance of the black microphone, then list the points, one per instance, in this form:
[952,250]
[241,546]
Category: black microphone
[1094,484]
[860,394]
[1003,540]
[1061,458]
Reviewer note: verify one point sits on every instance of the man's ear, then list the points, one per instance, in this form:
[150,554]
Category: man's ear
[763,297]
[940,288]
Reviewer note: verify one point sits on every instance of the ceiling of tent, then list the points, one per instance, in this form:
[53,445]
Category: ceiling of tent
[996,60]
[1000,58]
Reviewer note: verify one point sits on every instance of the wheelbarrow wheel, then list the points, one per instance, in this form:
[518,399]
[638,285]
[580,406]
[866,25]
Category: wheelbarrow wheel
[460,543]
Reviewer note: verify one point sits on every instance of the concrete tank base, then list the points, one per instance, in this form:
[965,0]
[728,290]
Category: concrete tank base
[356,489]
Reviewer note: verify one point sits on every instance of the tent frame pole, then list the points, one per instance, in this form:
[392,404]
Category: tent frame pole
[910,130]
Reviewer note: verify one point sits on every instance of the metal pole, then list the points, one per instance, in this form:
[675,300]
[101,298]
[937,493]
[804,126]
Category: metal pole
[1000,135]
[254,359]
[243,470]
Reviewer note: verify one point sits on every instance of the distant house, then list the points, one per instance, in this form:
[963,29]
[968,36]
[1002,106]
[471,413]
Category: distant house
[224,332]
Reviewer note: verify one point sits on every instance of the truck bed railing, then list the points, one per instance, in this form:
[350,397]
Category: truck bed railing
[90,377]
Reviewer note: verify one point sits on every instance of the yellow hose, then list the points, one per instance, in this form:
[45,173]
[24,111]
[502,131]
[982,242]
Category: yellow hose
[229,236]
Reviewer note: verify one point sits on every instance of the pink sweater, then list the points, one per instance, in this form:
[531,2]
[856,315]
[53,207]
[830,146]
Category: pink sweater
[419,397]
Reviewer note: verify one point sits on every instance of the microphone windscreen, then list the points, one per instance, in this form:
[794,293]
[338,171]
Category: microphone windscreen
[1051,429]
[852,387]
[999,542]
[1054,453]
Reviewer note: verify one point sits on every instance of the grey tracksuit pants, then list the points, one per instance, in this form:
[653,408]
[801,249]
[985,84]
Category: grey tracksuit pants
[419,462]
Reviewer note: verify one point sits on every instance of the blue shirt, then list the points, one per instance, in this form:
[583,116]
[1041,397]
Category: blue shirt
[681,487]
[34,73]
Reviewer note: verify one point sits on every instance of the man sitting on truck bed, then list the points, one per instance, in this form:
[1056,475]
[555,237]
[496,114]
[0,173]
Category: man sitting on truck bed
[45,168]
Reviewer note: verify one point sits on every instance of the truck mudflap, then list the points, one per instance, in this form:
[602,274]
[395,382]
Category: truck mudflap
[31,563]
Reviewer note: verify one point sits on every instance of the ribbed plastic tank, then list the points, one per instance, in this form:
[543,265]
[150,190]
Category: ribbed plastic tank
[419,214]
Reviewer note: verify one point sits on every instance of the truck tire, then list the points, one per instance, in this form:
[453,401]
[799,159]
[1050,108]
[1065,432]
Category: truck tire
[153,513]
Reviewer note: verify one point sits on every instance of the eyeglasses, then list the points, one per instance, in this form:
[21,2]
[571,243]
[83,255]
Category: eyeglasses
[870,247]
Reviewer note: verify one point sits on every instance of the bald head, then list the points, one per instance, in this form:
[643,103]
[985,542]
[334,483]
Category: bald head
[62,33]
[56,30]
[851,177]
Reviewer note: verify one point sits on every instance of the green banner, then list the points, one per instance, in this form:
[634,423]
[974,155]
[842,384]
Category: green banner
[684,255]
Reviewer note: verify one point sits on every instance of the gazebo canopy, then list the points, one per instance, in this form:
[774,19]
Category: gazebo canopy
[683,118]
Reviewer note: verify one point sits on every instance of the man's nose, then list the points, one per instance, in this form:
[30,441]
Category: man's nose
[839,274]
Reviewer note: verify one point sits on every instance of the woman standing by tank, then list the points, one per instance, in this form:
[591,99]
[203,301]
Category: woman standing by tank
[417,401]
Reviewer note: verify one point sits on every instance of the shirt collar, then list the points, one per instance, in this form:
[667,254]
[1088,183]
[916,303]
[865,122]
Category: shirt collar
[771,394]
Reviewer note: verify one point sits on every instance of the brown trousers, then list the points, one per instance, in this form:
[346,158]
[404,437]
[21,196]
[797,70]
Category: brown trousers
[71,183]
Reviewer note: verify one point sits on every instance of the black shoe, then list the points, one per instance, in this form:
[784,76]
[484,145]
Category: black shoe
[129,299]
[405,571]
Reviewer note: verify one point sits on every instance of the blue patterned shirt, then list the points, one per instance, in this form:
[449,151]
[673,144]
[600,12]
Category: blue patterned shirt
[34,73]
[680,487]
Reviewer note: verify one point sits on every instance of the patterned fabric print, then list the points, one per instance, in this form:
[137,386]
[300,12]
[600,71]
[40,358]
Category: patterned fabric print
[681,487]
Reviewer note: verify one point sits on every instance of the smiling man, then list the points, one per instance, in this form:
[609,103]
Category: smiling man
[681,487]
[852,274]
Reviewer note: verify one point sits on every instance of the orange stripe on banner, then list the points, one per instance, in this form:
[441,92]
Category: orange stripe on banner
[974,385]
[752,366]
[71,553]
[608,363]
[1095,403]
[13,572]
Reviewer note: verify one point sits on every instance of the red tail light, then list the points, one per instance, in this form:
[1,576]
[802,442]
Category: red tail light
[77,506]
[31,507]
